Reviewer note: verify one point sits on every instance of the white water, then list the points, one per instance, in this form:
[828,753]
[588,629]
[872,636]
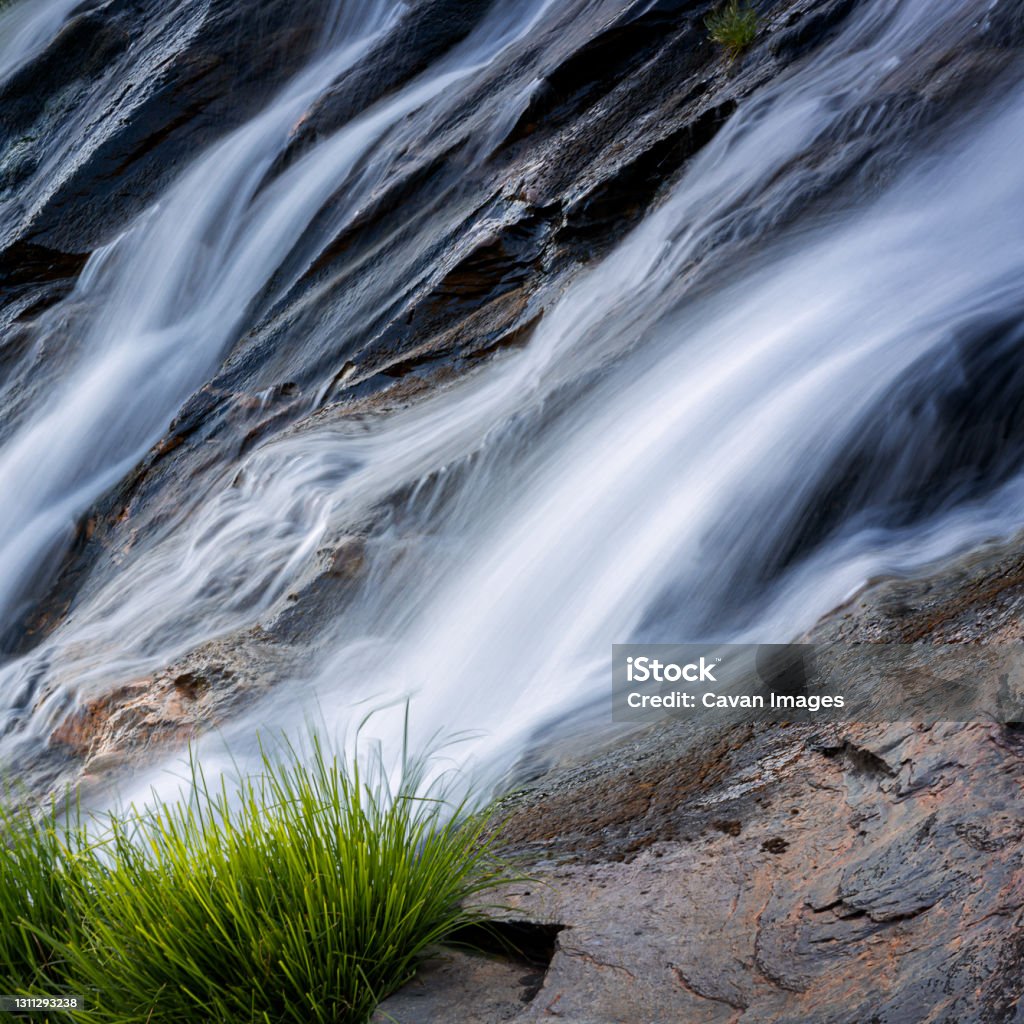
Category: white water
[26,28]
[623,477]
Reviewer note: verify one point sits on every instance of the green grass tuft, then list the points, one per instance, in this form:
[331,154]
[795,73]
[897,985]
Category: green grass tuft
[733,27]
[306,895]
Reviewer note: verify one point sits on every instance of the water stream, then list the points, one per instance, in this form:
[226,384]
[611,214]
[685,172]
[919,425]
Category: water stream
[653,465]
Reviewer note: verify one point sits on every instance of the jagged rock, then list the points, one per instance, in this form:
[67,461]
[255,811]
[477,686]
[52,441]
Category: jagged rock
[142,720]
[848,895]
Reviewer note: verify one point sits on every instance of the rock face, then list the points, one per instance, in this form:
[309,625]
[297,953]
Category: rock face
[134,722]
[871,874]
[843,874]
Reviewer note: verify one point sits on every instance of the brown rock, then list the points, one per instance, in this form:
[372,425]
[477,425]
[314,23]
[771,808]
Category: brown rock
[842,874]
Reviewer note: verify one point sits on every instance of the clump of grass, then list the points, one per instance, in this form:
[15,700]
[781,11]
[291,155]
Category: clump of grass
[733,27]
[307,894]
[39,898]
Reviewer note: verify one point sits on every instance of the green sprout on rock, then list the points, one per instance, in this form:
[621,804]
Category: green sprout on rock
[733,27]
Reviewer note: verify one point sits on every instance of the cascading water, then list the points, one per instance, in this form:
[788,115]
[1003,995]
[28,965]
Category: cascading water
[26,28]
[677,454]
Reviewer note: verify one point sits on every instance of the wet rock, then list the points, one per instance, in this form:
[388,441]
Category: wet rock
[429,31]
[141,721]
[978,597]
[25,263]
[182,81]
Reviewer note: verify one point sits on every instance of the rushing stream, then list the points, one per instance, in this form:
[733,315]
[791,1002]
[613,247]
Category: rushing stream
[689,446]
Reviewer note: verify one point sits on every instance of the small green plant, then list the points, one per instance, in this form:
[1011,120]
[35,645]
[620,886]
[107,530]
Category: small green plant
[307,894]
[733,27]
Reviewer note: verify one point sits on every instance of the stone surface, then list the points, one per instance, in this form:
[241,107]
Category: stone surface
[873,874]
[138,721]
[841,874]
[476,990]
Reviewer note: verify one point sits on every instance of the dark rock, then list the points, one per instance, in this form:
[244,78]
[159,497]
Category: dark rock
[182,80]
[25,263]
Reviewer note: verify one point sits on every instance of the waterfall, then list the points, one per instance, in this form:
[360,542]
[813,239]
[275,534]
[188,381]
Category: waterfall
[26,28]
[721,428]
